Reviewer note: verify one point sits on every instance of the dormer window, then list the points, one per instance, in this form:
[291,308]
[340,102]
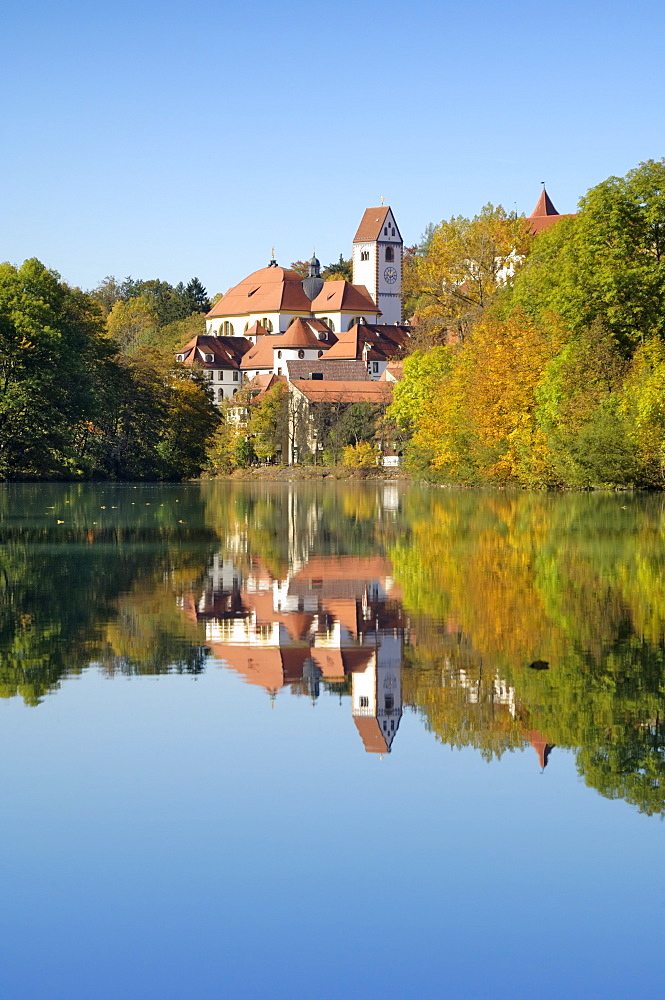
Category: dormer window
[209,358]
[180,357]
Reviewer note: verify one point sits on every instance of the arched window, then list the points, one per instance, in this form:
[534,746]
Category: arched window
[320,354]
[227,329]
[364,254]
[328,322]
[356,319]
[266,324]
[180,357]
[247,325]
[301,354]
[220,395]
[279,354]
[390,253]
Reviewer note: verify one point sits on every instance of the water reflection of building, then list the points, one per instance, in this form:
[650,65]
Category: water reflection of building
[335,621]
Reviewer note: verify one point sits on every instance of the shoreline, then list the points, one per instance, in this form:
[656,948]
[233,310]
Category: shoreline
[294,473]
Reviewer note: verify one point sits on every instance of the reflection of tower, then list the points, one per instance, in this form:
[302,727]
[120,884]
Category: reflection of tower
[541,746]
[377,694]
[311,675]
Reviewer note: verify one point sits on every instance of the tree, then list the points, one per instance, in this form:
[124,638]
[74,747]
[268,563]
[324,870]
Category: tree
[363,455]
[606,263]
[268,423]
[51,345]
[342,269]
[130,321]
[464,264]
[197,295]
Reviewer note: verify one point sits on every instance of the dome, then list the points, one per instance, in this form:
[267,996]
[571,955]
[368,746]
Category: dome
[269,289]
[313,283]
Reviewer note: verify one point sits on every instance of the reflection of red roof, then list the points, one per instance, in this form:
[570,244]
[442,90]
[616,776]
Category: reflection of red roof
[541,746]
[345,568]
[371,734]
[266,666]
[345,610]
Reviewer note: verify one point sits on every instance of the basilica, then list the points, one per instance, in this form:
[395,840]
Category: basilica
[275,319]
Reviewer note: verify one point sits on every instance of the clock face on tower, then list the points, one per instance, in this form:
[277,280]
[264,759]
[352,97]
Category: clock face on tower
[390,274]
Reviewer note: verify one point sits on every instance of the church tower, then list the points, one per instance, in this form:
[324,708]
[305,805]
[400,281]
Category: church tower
[377,261]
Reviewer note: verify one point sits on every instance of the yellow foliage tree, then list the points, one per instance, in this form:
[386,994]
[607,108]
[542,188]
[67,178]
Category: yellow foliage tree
[363,455]
[480,425]
[465,264]
[130,320]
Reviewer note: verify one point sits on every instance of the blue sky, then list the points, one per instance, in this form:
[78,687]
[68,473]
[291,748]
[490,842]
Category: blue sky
[164,140]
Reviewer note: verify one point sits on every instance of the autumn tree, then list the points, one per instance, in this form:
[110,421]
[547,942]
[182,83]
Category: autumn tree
[464,264]
[130,321]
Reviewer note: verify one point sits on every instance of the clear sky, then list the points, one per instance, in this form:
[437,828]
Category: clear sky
[170,140]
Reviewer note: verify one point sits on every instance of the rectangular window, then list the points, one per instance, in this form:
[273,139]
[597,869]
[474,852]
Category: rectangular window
[220,376]
[375,366]
[235,376]
[210,374]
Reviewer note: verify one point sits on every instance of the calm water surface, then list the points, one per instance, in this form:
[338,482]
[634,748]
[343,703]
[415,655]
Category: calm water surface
[330,741]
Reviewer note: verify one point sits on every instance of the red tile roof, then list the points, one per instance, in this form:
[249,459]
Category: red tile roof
[324,391]
[260,354]
[371,224]
[386,342]
[300,334]
[267,290]
[338,296]
[544,214]
[226,351]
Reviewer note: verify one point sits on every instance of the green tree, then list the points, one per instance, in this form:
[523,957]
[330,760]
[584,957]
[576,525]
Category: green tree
[268,423]
[606,263]
[51,343]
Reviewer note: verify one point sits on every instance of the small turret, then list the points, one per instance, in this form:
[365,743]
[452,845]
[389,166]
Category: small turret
[313,283]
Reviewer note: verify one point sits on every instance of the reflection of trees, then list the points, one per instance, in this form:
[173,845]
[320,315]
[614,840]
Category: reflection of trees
[491,583]
[576,582]
[86,577]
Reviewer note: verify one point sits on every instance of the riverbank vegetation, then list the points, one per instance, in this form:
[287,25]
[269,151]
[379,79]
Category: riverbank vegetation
[552,376]
[85,398]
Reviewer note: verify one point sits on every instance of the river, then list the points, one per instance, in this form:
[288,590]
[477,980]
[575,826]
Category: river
[333,740]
